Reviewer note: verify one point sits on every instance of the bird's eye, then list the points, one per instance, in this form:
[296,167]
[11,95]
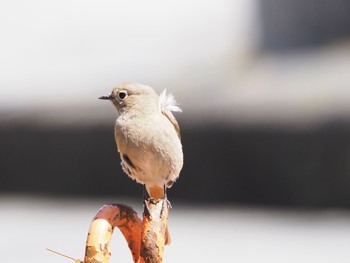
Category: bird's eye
[122,95]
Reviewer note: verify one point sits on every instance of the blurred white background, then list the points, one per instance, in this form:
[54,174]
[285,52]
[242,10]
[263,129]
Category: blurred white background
[67,53]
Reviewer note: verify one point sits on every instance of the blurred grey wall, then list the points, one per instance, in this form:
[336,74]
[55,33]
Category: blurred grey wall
[288,24]
[256,165]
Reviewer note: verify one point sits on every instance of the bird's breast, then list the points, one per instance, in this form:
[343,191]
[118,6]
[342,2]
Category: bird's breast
[152,145]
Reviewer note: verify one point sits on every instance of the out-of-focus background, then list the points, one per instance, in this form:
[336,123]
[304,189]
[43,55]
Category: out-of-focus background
[264,87]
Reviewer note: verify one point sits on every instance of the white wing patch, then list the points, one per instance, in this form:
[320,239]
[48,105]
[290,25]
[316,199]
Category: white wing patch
[168,102]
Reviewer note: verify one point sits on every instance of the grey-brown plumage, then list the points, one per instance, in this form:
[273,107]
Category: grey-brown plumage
[147,136]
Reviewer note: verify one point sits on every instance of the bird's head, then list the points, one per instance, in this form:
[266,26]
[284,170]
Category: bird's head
[131,95]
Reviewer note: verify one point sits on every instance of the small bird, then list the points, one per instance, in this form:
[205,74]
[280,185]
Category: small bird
[147,136]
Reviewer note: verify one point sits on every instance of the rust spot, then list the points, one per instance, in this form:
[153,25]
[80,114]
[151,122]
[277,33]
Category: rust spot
[149,249]
[131,244]
[90,251]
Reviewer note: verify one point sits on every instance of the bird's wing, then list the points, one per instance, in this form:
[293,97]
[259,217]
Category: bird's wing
[168,104]
[172,119]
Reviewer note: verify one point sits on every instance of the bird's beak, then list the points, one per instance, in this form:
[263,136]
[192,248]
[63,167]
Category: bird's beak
[109,97]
